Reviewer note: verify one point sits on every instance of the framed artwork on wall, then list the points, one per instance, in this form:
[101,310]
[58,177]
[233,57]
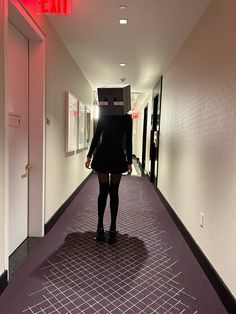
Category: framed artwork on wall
[81,128]
[87,126]
[71,122]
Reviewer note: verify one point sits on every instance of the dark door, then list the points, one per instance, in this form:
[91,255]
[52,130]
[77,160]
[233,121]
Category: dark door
[155,133]
[153,140]
[144,137]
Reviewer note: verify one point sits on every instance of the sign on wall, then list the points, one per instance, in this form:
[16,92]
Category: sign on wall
[49,7]
[135,116]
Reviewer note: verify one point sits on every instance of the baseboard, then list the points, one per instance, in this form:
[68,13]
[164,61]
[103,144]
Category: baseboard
[48,226]
[223,292]
[3,281]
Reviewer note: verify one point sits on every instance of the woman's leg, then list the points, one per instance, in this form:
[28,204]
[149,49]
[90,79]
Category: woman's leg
[103,179]
[114,203]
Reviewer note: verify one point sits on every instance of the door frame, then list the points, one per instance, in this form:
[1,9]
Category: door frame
[18,72]
[36,181]
[145,118]
[159,130]
[154,155]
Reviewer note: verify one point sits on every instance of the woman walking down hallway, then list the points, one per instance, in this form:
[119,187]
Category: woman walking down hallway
[110,162]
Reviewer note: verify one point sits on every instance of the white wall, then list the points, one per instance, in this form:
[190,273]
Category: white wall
[63,174]
[198,136]
[138,136]
[146,101]
[2,137]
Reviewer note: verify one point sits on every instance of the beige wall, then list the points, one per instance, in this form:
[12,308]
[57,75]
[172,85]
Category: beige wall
[63,173]
[198,136]
[2,136]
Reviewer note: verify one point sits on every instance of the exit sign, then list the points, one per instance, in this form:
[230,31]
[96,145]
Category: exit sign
[49,7]
[135,116]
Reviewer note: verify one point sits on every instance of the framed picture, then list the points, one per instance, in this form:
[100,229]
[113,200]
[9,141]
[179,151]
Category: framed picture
[87,126]
[81,128]
[71,122]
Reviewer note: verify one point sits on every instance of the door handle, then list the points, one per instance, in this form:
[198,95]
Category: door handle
[27,167]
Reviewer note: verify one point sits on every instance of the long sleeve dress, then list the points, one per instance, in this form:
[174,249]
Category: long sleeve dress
[111,134]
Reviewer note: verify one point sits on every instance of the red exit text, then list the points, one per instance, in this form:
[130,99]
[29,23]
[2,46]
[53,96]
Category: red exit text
[49,7]
[60,7]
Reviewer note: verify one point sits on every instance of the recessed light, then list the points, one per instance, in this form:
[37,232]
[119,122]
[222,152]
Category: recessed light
[122,64]
[122,7]
[123,21]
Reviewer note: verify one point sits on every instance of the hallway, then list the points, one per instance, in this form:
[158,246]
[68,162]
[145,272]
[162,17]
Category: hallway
[150,269]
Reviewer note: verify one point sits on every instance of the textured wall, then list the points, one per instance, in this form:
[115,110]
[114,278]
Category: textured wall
[198,136]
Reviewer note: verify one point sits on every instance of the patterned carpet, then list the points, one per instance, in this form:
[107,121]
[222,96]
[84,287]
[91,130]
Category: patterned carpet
[149,270]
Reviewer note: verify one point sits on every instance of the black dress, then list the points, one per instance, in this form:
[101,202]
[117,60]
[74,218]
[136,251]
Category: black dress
[110,156]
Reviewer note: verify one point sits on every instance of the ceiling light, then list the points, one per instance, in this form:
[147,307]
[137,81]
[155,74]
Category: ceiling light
[122,64]
[122,7]
[123,21]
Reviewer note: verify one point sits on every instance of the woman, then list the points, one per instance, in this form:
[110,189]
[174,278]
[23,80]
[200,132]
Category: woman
[110,158]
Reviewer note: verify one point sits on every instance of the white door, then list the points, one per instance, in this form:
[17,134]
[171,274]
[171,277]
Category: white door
[18,136]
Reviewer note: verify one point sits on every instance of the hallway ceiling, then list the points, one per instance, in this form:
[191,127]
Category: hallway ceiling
[155,31]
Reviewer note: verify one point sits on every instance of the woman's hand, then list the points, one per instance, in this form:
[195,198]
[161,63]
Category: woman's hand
[129,170]
[88,162]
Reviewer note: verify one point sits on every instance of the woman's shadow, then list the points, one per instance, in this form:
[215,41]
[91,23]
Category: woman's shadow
[97,270]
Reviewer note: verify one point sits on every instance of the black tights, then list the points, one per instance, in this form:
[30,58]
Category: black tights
[108,187]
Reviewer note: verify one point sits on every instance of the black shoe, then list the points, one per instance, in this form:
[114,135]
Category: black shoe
[100,237]
[112,237]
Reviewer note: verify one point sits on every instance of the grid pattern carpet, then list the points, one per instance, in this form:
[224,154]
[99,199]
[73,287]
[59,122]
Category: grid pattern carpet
[149,270]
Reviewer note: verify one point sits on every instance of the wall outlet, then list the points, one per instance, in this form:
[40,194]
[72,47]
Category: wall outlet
[201,219]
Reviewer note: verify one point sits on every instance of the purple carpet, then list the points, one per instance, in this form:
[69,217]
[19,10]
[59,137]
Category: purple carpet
[150,269]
